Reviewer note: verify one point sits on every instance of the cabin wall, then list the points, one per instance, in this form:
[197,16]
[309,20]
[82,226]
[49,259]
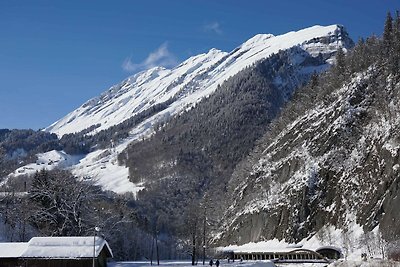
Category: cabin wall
[59,263]
[8,262]
[101,261]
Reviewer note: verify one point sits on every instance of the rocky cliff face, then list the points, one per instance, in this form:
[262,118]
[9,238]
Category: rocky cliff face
[339,159]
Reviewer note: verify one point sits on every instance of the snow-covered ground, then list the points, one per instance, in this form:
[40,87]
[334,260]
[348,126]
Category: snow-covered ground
[100,166]
[369,263]
[222,264]
[48,161]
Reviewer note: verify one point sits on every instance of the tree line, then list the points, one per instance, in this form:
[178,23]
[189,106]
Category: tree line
[59,204]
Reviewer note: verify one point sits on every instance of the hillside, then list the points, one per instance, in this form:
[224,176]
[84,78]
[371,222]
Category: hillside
[330,160]
[19,147]
[194,154]
[186,164]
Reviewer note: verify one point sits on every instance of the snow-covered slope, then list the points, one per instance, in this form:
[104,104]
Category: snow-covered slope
[192,80]
[46,161]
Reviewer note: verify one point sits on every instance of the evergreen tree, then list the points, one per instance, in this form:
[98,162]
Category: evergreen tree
[340,67]
[388,34]
[340,61]
[391,43]
[395,51]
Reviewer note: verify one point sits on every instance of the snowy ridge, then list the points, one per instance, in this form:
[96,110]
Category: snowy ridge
[193,79]
[134,95]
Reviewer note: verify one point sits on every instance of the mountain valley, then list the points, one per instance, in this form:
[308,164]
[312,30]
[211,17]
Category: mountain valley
[285,137]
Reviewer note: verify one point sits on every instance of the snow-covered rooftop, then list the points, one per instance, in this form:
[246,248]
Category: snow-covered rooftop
[12,250]
[268,246]
[55,247]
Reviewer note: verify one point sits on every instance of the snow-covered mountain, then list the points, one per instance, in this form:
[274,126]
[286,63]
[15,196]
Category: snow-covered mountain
[252,140]
[193,79]
[179,89]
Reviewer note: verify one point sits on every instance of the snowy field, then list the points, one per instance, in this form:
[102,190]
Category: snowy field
[222,264]
[370,263]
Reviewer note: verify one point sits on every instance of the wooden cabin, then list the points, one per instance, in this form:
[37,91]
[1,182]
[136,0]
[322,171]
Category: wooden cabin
[56,252]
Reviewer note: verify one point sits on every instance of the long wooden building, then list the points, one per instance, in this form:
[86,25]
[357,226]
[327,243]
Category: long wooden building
[287,255]
[56,252]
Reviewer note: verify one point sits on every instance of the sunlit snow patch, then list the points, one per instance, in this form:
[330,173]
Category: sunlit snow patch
[46,161]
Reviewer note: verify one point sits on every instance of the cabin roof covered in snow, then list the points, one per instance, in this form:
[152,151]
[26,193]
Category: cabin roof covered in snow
[59,247]
[12,250]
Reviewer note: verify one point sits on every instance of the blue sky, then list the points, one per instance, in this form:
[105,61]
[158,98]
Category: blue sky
[55,55]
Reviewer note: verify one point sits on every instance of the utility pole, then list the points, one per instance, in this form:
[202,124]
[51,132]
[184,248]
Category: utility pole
[94,246]
[204,247]
[96,229]
[204,234]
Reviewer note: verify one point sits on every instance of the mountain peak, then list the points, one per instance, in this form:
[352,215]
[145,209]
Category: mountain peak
[256,39]
[146,75]
[193,79]
[214,51]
